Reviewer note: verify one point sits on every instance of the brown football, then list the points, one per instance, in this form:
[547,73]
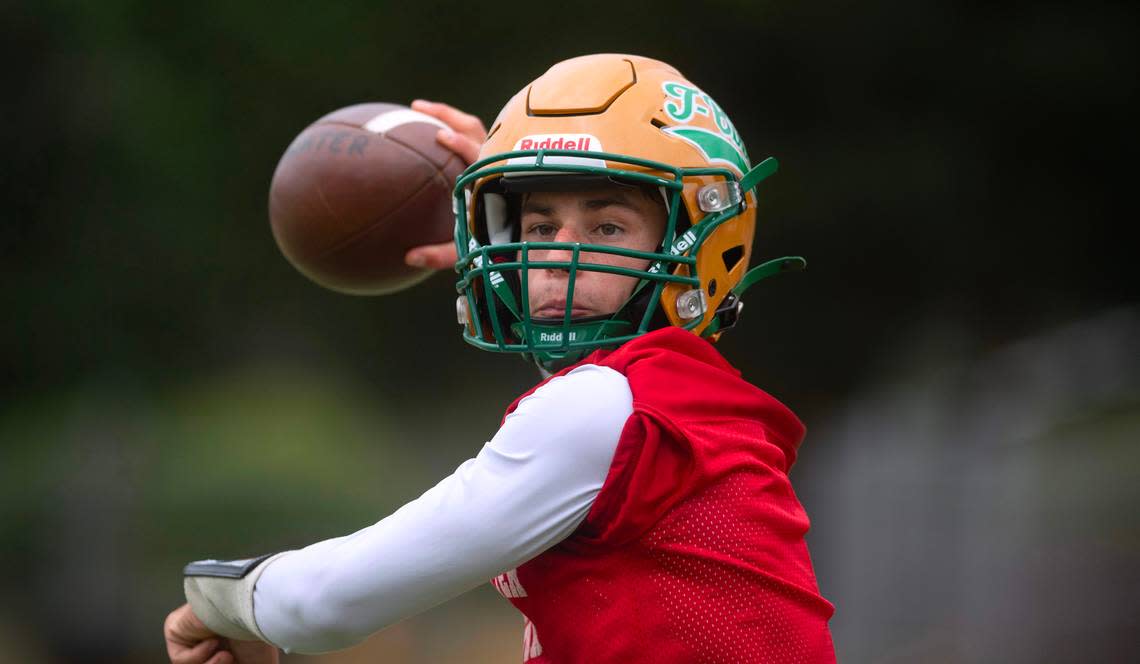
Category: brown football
[357,189]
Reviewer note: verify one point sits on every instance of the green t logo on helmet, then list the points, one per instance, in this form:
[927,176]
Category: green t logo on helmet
[683,103]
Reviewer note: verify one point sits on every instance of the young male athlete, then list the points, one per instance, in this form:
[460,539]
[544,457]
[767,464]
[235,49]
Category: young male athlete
[634,506]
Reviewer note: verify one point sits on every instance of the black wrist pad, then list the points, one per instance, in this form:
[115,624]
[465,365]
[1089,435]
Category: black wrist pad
[225,569]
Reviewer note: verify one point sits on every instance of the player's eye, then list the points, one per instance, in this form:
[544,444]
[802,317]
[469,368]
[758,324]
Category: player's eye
[609,230]
[541,230]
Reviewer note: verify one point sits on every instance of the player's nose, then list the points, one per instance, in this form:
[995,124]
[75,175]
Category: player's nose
[569,235]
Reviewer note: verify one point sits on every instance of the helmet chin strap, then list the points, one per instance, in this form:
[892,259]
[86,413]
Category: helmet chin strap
[769,269]
[728,313]
[729,310]
[776,265]
[758,173]
[546,331]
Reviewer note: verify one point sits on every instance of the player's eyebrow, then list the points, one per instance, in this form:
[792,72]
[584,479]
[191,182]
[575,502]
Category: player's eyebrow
[589,204]
[593,204]
[535,208]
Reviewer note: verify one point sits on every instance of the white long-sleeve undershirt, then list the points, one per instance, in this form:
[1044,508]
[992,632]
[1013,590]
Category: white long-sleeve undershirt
[527,490]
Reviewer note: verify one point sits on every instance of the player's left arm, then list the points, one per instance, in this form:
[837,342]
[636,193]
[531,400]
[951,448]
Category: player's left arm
[526,490]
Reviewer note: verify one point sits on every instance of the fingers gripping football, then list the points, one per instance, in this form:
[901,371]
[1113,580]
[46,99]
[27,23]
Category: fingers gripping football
[467,131]
[465,137]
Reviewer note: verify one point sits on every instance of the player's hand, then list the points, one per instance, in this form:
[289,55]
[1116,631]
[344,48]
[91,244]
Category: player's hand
[188,641]
[467,132]
[465,136]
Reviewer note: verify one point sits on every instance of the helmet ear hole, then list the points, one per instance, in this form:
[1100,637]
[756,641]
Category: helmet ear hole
[732,256]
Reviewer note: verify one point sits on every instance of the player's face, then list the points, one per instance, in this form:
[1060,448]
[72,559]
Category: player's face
[613,216]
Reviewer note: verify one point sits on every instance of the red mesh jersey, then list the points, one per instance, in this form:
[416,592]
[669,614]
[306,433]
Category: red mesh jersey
[694,549]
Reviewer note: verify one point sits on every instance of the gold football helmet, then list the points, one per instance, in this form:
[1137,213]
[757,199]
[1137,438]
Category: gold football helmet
[622,119]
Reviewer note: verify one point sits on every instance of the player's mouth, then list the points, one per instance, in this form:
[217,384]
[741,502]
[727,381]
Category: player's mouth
[554,309]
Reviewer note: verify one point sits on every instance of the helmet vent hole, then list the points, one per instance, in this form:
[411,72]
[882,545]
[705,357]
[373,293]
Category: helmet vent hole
[657,123]
[712,288]
[731,257]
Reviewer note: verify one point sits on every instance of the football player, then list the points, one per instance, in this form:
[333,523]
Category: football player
[635,505]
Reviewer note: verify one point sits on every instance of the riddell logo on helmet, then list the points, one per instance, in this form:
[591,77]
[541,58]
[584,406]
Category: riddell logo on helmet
[577,142]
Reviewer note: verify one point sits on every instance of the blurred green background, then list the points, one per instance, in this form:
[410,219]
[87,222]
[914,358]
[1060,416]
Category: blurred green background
[963,346]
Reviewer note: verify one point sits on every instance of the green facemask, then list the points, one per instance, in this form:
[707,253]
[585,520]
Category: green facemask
[493,283]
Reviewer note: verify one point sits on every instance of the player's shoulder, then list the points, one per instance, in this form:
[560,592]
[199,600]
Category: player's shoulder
[585,389]
[574,418]
[590,376]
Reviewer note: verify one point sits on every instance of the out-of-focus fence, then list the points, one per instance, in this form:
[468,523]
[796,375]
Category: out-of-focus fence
[986,511]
